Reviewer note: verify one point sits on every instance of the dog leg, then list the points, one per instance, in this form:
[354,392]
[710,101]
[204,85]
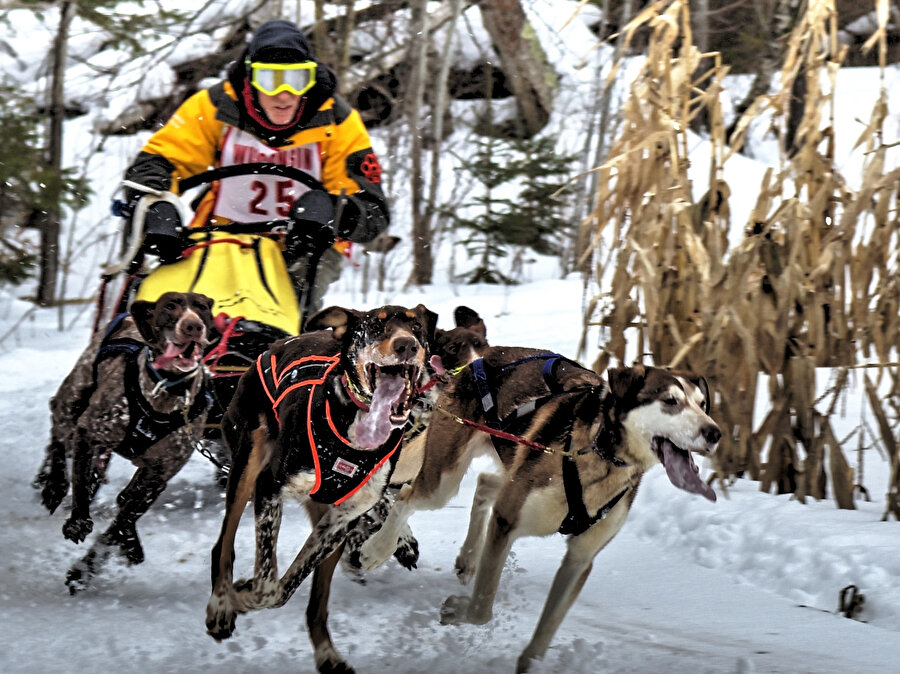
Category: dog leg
[78,578]
[85,482]
[486,491]
[220,609]
[478,609]
[569,579]
[327,536]
[328,660]
[433,487]
[52,479]
[379,547]
[145,486]
[406,553]
[265,588]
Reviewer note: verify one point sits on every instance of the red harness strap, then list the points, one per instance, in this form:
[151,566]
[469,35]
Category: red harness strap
[228,328]
[341,469]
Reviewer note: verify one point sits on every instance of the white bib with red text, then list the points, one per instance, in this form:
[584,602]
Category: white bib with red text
[256,198]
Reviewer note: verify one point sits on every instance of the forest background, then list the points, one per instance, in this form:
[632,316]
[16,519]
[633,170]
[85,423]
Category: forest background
[510,142]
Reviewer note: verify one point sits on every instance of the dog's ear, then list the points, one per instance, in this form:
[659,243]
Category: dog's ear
[204,301]
[336,318]
[469,319]
[625,380]
[700,383]
[703,385]
[142,313]
[429,319]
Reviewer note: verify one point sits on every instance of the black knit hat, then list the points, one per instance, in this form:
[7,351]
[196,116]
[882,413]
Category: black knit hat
[279,41]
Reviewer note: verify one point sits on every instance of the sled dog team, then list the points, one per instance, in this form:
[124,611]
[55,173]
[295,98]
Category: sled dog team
[366,417]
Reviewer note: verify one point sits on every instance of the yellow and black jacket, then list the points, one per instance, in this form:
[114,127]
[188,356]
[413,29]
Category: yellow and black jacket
[217,127]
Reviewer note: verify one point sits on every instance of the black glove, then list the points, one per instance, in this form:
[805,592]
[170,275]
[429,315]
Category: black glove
[312,228]
[164,232]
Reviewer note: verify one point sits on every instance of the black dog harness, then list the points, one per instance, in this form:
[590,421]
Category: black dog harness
[341,469]
[577,520]
[146,426]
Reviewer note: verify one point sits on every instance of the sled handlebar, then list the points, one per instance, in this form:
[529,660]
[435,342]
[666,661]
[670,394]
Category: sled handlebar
[250,169]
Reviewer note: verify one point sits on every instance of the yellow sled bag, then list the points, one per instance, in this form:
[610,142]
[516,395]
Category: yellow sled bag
[244,274]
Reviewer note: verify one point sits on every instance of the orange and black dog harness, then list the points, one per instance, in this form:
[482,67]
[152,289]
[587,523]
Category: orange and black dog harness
[341,469]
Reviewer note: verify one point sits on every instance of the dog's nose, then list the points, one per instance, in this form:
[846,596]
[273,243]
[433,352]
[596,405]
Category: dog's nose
[711,434]
[192,328]
[406,347]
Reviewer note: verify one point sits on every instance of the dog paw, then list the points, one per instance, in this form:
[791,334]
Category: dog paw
[336,668]
[351,566]
[77,580]
[53,491]
[407,552]
[455,609]
[373,553]
[76,529]
[465,570]
[220,617]
[329,661]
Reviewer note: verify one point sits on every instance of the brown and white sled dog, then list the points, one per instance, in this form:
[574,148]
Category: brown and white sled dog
[452,350]
[580,448]
[140,391]
[321,417]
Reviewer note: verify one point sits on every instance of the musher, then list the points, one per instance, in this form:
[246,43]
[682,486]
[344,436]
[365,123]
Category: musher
[277,105]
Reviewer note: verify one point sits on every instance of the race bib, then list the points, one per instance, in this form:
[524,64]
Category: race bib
[257,198]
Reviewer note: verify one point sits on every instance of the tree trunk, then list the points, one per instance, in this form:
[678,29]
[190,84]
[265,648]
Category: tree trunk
[523,60]
[423,263]
[584,236]
[49,219]
[320,36]
[439,107]
[770,58]
[347,25]
[700,30]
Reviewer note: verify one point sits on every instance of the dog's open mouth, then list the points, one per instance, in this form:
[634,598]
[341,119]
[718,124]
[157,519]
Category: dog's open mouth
[680,467]
[392,392]
[182,356]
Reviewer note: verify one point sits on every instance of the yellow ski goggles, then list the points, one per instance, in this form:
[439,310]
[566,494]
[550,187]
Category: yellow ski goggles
[273,78]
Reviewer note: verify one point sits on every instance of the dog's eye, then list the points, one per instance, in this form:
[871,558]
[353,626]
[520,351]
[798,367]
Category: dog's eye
[670,401]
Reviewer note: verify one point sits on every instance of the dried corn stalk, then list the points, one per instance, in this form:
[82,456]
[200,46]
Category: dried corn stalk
[808,286]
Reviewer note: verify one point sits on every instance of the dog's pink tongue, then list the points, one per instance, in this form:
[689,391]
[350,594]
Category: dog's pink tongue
[374,429]
[165,359]
[683,472]
[437,364]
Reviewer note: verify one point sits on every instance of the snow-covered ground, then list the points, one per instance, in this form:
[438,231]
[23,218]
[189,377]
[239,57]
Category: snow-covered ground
[750,583]
[747,584]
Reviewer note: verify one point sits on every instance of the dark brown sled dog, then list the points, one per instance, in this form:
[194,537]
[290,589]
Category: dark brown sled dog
[138,390]
[321,418]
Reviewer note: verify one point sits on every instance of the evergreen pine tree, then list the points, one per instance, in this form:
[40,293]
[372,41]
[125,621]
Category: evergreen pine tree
[27,185]
[531,220]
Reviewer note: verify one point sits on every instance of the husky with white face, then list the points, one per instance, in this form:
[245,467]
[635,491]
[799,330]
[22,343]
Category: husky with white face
[598,439]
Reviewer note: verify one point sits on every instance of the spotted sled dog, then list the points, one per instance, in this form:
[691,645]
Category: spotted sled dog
[575,450]
[321,417]
[139,390]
